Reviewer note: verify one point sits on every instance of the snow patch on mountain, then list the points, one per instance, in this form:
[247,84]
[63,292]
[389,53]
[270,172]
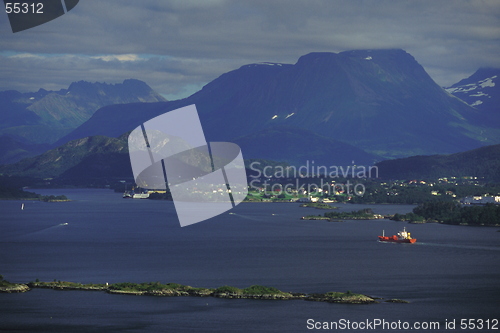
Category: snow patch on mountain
[265,64]
[462,89]
[479,94]
[479,90]
[488,82]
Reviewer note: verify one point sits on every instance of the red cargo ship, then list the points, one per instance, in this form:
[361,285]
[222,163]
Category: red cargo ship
[401,237]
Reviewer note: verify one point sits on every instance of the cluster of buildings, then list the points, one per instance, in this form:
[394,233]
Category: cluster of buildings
[480,200]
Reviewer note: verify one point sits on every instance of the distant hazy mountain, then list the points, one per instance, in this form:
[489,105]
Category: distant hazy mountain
[12,150]
[43,117]
[481,162]
[481,90]
[114,120]
[380,101]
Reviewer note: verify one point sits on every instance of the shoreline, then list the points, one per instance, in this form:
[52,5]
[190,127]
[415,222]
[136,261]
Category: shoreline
[33,199]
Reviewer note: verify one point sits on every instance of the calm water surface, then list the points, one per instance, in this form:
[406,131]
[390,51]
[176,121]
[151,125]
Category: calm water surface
[451,273]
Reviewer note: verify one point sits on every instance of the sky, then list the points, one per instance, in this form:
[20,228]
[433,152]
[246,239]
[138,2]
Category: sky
[178,46]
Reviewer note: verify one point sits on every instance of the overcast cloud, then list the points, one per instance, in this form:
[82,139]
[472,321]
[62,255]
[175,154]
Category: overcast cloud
[178,46]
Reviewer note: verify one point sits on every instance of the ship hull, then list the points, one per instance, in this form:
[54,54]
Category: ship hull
[394,239]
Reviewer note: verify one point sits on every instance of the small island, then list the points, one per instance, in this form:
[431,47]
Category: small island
[363,214]
[315,217]
[175,289]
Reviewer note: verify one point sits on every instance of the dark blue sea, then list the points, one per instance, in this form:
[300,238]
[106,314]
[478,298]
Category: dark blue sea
[451,274]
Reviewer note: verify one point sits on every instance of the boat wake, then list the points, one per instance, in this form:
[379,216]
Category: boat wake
[245,217]
[51,227]
[47,228]
[467,247]
[32,233]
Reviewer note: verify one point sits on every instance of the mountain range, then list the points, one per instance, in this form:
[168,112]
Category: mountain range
[332,108]
[380,101]
[98,157]
[34,121]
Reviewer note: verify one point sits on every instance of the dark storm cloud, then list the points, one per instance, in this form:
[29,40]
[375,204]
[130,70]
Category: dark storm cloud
[176,46]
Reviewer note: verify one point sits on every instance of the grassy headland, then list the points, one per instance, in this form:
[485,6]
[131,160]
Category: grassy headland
[12,188]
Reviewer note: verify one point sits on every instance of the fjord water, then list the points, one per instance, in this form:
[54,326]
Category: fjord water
[452,272]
